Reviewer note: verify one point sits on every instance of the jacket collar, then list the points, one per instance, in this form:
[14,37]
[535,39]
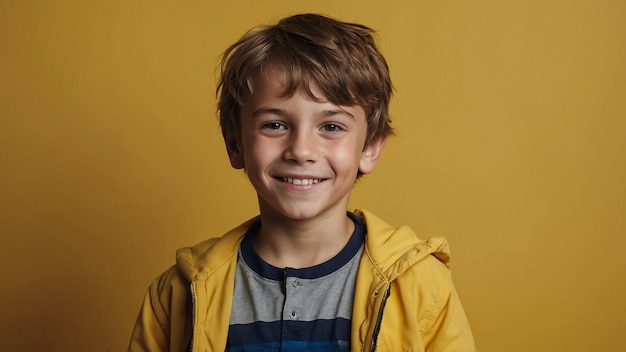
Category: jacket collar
[391,250]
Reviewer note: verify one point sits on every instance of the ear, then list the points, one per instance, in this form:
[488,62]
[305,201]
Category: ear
[235,151]
[370,155]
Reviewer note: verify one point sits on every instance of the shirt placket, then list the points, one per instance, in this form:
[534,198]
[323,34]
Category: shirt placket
[293,310]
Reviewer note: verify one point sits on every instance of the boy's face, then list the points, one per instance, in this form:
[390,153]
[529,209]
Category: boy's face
[301,156]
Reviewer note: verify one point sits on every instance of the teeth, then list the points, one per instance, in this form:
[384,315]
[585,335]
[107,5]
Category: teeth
[301,181]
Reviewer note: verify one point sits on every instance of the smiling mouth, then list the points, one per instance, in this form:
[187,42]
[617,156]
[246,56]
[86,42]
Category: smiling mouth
[301,181]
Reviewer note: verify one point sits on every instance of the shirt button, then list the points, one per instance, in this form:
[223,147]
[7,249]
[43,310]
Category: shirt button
[293,315]
[295,283]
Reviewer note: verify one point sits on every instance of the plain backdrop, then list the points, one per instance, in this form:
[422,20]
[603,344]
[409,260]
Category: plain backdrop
[511,121]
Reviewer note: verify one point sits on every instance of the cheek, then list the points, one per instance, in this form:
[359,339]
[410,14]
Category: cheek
[258,153]
[346,157]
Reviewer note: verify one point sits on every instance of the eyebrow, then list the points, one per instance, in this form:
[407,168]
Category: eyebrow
[271,111]
[279,112]
[329,113]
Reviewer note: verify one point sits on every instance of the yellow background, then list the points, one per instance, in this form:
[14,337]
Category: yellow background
[511,142]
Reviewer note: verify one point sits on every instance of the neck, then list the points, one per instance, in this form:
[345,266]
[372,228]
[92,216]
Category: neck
[302,243]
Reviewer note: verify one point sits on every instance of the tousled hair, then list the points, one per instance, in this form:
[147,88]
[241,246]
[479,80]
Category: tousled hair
[341,59]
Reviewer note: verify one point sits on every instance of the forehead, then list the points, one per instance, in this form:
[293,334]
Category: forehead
[279,80]
[270,77]
[270,89]
[284,81]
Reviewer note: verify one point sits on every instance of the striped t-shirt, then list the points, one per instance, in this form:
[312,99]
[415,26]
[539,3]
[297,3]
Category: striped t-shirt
[287,309]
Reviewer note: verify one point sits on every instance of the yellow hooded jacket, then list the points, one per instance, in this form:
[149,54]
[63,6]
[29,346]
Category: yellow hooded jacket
[404,298]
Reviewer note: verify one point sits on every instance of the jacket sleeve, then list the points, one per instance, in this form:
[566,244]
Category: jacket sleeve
[450,330]
[164,321]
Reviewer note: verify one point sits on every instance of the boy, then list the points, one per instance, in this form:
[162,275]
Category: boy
[303,107]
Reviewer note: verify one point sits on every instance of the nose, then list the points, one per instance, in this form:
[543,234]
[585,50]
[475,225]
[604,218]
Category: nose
[301,147]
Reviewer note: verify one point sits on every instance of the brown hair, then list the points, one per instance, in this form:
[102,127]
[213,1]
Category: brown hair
[340,58]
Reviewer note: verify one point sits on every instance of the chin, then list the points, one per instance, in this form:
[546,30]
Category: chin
[299,215]
[294,213]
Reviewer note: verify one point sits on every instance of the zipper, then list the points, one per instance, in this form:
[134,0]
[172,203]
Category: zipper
[193,318]
[379,319]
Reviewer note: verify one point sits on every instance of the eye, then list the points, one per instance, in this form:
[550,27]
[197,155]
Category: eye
[273,125]
[332,127]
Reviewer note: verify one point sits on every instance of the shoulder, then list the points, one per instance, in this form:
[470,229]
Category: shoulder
[170,280]
[201,260]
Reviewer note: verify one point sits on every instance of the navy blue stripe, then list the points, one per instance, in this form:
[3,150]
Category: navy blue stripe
[261,333]
[294,346]
[271,272]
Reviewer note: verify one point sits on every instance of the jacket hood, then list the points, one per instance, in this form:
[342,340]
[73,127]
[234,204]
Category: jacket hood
[201,260]
[391,250]
[394,250]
